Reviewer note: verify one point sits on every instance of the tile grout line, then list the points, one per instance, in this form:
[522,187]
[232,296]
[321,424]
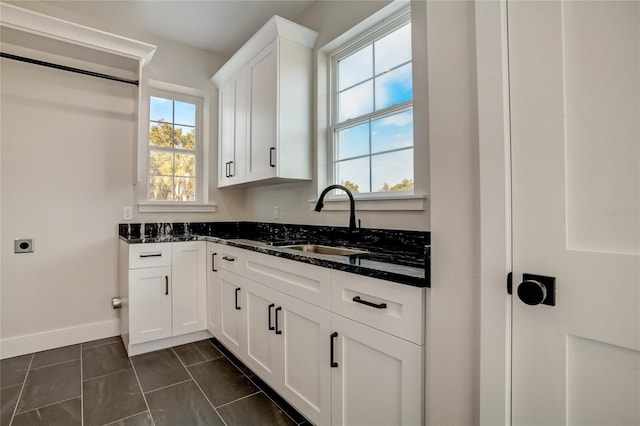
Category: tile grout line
[153,422]
[49,405]
[108,374]
[125,418]
[274,402]
[257,386]
[168,386]
[24,382]
[199,388]
[259,391]
[52,365]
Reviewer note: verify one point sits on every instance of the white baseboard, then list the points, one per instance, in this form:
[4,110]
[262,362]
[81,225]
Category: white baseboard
[20,345]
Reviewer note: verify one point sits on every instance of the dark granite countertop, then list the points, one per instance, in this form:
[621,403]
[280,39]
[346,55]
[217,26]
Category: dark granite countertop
[399,260]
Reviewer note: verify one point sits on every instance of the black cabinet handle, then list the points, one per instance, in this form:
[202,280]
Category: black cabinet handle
[271,163]
[357,299]
[237,292]
[226,169]
[230,174]
[166,285]
[279,308]
[331,340]
[269,311]
[159,254]
[229,259]
[213,262]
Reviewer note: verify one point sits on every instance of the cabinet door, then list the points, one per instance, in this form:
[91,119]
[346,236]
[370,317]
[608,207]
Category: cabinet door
[232,131]
[378,379]
[232,324]
[149,304]
[262,351]
[213,290]
[262,114]
[189,302]
[306,373]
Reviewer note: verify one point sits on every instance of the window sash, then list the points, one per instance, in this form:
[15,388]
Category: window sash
[197,152]
[335,126]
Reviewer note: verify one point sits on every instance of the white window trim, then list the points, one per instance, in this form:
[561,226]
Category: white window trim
[415,200]
[202,203]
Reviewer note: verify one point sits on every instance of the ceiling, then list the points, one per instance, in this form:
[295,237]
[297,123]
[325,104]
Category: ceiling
[220,26]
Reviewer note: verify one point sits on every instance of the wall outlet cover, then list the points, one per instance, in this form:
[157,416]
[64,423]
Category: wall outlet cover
[23,245]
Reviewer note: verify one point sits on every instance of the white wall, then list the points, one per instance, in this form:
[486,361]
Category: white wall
[453,316]
[66,172]
[67,146]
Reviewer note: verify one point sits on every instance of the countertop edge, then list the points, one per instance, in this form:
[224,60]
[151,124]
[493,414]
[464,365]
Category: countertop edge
[318,260]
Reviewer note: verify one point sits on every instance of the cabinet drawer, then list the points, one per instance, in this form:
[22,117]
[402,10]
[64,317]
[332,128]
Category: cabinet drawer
[228,258]
[392,308]
[300,280]
[149,255]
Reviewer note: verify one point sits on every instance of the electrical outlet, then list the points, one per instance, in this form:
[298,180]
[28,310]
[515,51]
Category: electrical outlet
[127,213]
[276,212]
[23,245]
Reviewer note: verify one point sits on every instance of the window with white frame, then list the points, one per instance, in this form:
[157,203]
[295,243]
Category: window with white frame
[175,147]
[372,111]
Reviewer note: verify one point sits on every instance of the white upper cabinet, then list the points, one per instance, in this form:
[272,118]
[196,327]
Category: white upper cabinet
[265,106]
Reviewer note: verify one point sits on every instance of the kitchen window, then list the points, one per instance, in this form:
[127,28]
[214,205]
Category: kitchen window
[175,148]
[371,119]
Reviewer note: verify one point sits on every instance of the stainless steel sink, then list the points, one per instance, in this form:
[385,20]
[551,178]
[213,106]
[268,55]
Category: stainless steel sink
[320,249]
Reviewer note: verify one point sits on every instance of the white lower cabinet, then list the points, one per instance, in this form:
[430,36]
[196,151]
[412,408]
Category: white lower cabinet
[287,347]
[163,288]
[328,363]
[232,316]
[149,304]
[188,298]
[376,377]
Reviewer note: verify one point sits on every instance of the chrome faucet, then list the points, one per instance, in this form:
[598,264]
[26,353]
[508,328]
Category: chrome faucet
[352,205]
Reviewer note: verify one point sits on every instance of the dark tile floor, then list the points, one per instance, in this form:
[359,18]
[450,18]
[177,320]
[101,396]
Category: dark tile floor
[95,383]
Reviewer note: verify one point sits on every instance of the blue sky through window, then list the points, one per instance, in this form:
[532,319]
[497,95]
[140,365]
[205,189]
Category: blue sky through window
[164,109]
[375,78]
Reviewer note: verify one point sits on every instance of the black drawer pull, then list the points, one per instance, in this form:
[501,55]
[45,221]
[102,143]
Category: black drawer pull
[279,308]
[159,254]
[166,285]
[331,340]
[213,262]
[229,259]
[271,163]
[237,292]
[269,310]
[357,299]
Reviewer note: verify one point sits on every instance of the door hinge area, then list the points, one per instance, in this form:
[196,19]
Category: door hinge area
[510,283]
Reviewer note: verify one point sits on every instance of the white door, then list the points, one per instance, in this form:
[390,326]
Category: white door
[303,339]
[375,377]
[149,304]
[260,310]
[232,325]
[232,131]
[575,110]
[189,301]
[262,116]
[213,291]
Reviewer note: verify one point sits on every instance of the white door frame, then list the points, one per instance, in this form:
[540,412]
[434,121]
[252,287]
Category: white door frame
[495,211]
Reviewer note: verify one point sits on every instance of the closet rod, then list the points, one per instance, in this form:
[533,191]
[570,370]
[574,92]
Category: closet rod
[66,68]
